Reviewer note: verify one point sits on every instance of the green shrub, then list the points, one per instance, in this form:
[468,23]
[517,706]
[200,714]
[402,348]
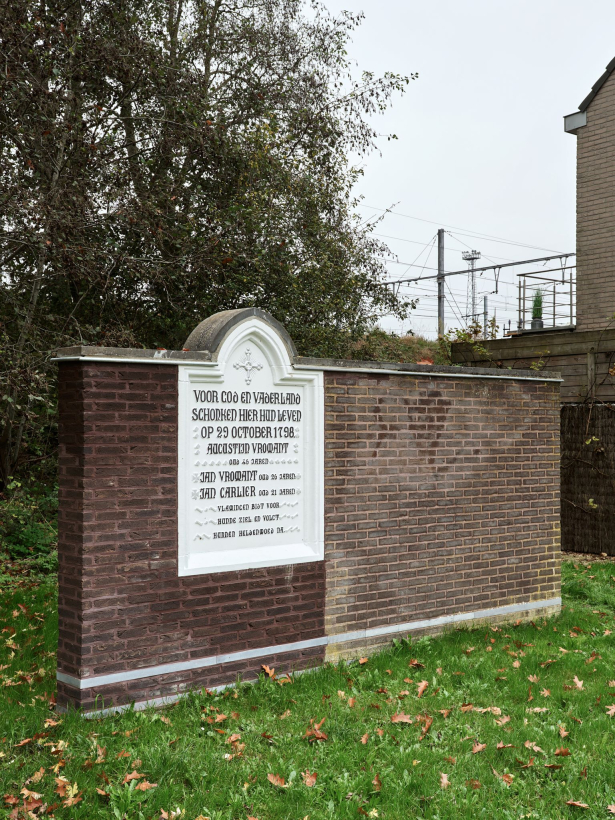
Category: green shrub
[28,525]
[537,305]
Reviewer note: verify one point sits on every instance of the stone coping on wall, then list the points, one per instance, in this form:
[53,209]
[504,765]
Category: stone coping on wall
[176,357]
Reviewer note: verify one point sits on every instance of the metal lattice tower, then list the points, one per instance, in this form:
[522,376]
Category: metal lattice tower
[471,305]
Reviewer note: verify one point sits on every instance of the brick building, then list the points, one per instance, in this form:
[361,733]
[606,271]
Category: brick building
[585,353]
[594,126]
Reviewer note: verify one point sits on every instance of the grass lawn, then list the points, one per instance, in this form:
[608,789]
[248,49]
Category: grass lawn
[510,722]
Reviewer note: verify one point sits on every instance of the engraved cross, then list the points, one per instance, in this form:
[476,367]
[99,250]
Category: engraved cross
[248,365]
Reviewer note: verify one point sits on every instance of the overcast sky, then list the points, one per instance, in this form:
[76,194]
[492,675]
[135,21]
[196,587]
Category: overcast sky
[481,141]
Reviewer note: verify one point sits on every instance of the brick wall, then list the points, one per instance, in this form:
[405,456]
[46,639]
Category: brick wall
[596,212]
[442,496]
[122,605]
[588,477]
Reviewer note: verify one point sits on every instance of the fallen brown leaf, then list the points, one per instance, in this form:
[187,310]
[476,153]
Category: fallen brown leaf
[478,747]
[51,722]
[577,804]
[377,783]
[145,786]
[29,795]
[444,781]
[134,775]
[37,776]
[507,778]
[422,686]
[309,779]
[473,784]
[314,733]
[399,717]
[276,780]
[426,720]
[529,744]
[73,796]
[561,752]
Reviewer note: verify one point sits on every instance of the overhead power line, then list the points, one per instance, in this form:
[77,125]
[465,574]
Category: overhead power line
[469,231]
[406,264]
[450,233]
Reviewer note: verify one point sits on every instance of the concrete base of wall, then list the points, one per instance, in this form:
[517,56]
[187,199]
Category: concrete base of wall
[520,612]
[343,651]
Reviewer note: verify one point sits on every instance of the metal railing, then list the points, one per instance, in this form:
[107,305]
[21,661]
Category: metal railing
[556,305]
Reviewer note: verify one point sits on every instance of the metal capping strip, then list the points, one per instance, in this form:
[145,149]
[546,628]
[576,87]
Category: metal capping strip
[424,373]
[325,640]
[135,360]
[364,370]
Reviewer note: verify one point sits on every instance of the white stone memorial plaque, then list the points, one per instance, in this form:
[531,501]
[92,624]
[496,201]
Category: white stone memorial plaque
[251,457]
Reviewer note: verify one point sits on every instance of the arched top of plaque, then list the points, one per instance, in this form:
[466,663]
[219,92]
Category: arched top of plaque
[212,333]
